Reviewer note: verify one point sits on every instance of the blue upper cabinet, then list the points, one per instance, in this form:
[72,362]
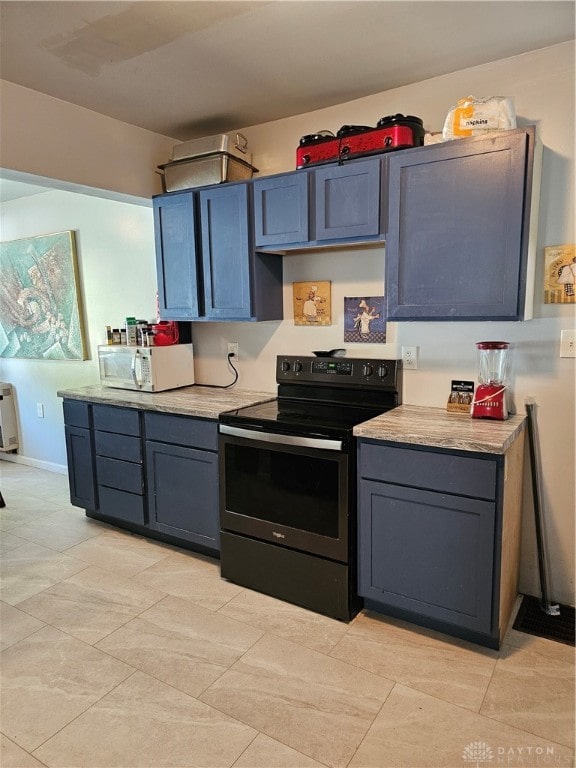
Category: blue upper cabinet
[281,210]
[225,252]
[328,205]
[239,284]
[457,241]
[207,267]
[176,267]
[348,200]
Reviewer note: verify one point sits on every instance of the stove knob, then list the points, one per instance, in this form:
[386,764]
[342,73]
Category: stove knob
[367,370]
[285,366]
[383,371]
[297,366]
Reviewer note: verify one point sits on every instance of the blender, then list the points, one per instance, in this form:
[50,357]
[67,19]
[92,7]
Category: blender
[490,396]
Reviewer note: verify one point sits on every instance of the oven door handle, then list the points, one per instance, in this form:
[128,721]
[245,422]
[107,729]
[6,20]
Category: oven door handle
[272,437]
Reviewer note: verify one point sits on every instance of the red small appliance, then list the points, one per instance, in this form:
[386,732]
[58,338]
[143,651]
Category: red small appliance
[165,333]
[490,396]
[351,141]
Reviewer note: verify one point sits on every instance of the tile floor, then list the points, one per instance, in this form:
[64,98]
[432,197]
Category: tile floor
[119,651]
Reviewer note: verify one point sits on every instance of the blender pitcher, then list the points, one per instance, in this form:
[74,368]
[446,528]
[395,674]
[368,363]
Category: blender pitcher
[490,397]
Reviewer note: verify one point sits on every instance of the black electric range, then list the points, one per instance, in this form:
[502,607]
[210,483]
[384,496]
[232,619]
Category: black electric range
[288,489]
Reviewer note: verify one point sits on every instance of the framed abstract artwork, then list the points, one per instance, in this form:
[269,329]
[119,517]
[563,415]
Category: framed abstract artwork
[40,309]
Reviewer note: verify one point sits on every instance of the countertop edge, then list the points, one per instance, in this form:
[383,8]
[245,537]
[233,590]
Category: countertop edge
[406,425]
[435,428]
[199,401]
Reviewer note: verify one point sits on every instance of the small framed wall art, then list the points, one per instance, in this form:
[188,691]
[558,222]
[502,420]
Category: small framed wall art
[364,320]
[312,303]
[560,274]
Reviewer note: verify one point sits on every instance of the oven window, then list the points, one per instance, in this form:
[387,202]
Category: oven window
[293,489]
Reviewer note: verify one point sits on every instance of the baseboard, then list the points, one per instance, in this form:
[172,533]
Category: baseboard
[49,466]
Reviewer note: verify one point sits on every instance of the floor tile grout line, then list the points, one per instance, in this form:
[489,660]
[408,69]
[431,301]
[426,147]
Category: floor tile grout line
[371,724]
[246,749]
[84,711]
[328,653]
[34,631]
[22,748]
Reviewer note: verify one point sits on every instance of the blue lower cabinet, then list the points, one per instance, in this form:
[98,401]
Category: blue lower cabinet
[81,477]
[121,506]
[428,553]
[119,468]
[80,454]
[183,493]
[429,538]
[153,473]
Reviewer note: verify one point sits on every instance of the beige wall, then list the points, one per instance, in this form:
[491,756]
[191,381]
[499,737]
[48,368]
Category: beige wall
[542,86]
[54,139]
[117,278]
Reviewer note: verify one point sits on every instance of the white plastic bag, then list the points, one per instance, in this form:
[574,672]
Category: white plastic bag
[474,117]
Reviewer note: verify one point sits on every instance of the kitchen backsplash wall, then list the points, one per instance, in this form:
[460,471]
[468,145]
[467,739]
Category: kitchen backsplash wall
[117,273]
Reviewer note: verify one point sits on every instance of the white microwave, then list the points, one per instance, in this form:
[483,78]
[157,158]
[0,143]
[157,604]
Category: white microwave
[147,369]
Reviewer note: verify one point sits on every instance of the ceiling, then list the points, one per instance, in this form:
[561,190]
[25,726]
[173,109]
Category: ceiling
[188,68]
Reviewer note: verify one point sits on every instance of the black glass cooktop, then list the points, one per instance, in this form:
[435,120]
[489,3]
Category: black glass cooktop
[301,417]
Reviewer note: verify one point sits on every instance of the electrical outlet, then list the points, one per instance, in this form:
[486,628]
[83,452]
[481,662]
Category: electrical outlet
[233,349]
[567,343]
[410,357]
[40,410]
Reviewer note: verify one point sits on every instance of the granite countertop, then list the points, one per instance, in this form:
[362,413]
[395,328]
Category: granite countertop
[204,402]
[435,427]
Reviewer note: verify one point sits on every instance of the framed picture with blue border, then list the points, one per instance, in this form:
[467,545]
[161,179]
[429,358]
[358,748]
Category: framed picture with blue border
[364,320]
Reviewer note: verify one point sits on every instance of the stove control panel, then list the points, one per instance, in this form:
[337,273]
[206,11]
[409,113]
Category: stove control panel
[339,371]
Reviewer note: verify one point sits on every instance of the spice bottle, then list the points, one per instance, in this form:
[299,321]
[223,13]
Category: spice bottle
[131,339]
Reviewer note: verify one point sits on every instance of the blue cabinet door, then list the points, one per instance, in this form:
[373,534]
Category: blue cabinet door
[281,210]
[81,475]
[456,247]
[226,252]
[183,493]
[428,554]
[348,200]
[176,257]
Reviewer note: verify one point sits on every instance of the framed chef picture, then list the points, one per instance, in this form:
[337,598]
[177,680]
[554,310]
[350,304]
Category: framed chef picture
[312,303]
[560,274]
[364,321]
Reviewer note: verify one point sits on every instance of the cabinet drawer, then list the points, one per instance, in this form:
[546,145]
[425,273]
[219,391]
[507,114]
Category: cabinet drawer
[76,413]
[123,421]
[180,430]
[121,505]
[468,476]
[122,447]
[122,475]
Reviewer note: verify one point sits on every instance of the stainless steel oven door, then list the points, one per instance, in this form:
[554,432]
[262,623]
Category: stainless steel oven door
[291,490]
